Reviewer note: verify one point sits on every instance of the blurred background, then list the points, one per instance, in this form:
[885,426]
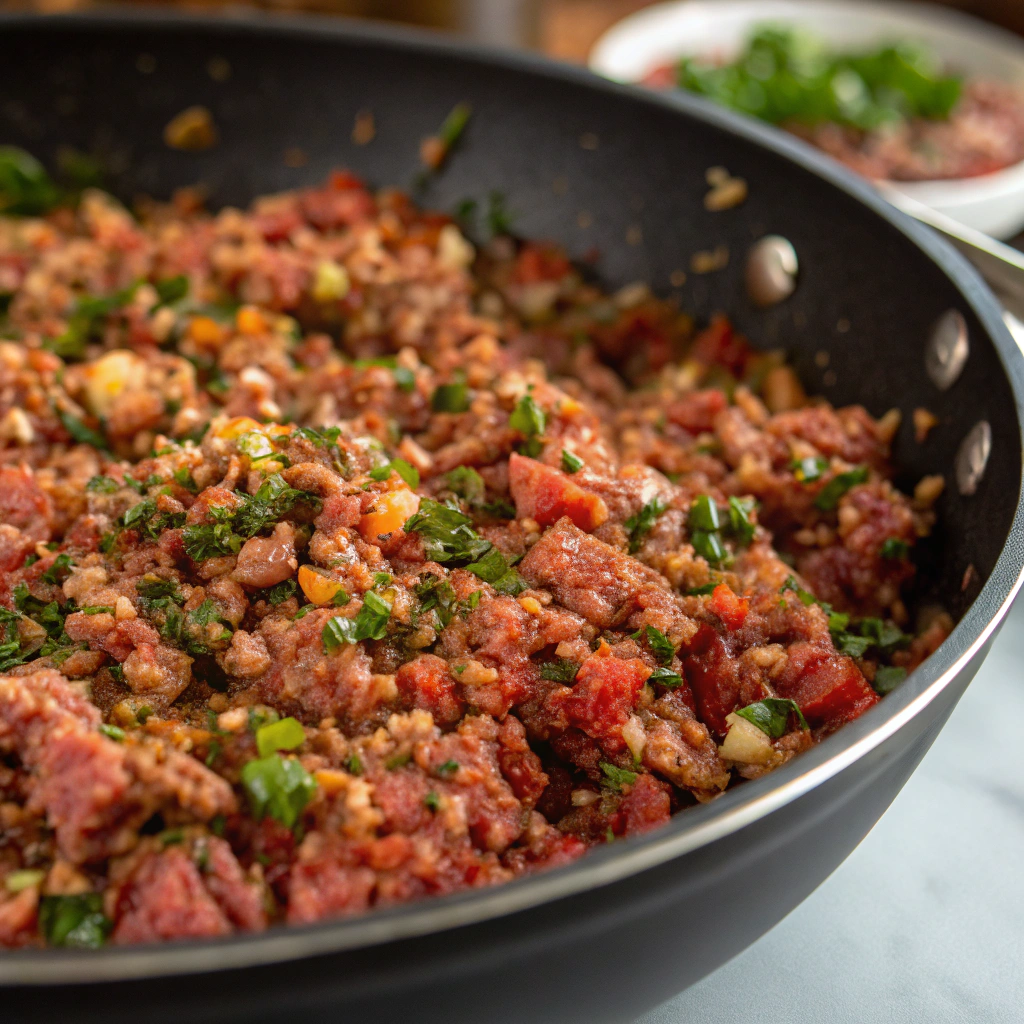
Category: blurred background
[561,28]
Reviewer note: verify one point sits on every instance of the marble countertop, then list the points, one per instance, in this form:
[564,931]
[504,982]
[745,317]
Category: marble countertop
[925,920]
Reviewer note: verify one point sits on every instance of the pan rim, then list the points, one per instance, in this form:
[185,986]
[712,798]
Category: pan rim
[700,826]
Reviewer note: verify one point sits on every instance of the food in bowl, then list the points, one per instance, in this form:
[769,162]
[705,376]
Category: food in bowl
[889,113]
[347,563]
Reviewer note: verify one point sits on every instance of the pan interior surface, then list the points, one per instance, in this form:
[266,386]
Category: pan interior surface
[619,179]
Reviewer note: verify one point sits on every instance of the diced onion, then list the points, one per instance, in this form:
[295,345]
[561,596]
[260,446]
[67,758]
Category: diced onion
[109,376]
[745,743]
[453,251]
[635,736]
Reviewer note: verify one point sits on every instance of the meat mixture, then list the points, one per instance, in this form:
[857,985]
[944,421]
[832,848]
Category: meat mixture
[346,563]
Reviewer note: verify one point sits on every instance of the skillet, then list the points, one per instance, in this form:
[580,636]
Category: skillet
[635,922]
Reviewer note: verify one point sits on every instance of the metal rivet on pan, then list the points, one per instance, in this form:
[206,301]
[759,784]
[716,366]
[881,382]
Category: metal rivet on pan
[771,270]
[947,351]
[972,457]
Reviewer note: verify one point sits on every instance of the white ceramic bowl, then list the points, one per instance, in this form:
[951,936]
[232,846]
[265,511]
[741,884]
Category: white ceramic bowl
[993,203]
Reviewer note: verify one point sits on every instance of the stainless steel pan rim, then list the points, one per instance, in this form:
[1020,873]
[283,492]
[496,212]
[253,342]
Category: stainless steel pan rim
[698,826]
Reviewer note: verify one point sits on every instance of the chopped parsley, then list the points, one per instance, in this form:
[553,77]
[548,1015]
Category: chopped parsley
[740,523]
[77,922]
[615,778]
[709,546]
[285,734]
[493,568]
[665,677]
[468,484]
[59,571]
[454,124]
[86,322]
[561,671]
[80,432]
[704,514]
[708,527]
[406,471]
[641,523]
[894,548]
[399,760]
[528,417]
[887,678]
[447,532]
[828,497]
[25,187]
[432,801]
[707,588]
[370,623]
[661,647]
[499,216]
[148,521]
[102,485]
[232,526]
[113,732]
[152,588]
[278,787]
[453,397]
[771,715]
[280,592]
[447,769]
[184,478]
[852,638]
[10,649]
[571,463]
[171,289]
[810,469]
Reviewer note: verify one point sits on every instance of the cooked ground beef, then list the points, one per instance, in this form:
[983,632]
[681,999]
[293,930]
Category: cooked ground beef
[345,564]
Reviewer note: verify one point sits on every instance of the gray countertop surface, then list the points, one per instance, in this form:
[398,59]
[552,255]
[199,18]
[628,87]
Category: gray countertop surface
[924,923]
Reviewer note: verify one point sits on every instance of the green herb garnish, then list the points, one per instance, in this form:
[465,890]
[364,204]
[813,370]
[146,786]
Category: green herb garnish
[371,623]
[887,678]
[278,787]
[452,397]
[665,677]
[894,548]
[771,715]
[788,75]
[77,922]
[640,524]
[571,463]
[615,778]
[406,471]
[828,497]
[810,469]
[285,734]
[561,671]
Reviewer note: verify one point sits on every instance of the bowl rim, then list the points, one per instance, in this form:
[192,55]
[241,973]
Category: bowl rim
[975,188]
[699,826]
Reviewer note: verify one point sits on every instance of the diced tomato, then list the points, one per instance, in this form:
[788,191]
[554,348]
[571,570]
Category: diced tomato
[713,676]
[545,494]
[829,688]
[729,606]
[603,696]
